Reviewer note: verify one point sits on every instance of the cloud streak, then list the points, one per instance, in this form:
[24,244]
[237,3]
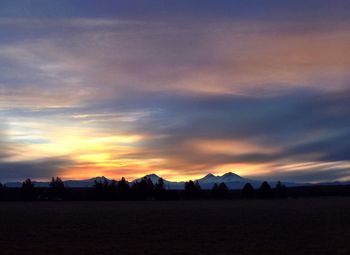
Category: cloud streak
[125,92]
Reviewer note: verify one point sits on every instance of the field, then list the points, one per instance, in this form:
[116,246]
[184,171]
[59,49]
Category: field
[291,226]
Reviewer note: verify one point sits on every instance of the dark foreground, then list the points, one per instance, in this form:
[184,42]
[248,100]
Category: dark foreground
[292,226]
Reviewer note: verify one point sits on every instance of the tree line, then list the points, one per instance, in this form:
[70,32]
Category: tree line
[144,189]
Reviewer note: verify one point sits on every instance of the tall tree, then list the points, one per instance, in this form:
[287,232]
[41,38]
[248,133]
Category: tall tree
[143,189]
[27,190]
[159,189]
[248,191]
[57,188]
[1,191]
[265,190]
[123,189]
[192,189]
[223,190]
[220,191]
[113,190]
[100,189]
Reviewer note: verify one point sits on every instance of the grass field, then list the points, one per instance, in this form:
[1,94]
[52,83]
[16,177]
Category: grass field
[304,226]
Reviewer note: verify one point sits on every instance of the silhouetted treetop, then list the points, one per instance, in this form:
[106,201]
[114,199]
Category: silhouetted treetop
[1,190]
[223,187]
[192,189]
[248,191]
[56,183]
[57,188]
[123,185]
[265,190]
[27,184]
[220,190]
[27,189]
[281,190]
[159,189]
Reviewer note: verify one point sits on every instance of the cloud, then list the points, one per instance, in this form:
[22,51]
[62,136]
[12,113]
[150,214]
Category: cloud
[12,169]
[296,127]
[202,92]
[38,169]
[82,23]
[190,134]
[5,151]
[272,10]
[312,172]
[70,67]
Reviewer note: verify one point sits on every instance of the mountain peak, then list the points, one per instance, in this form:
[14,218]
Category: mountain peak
[151,176]
[100,178]
[208,178]
[231,175]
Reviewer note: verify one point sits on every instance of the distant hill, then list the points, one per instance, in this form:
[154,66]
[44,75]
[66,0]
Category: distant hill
[232,180]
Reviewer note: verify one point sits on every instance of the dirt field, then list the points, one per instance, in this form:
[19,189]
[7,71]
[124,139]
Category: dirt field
[304,226]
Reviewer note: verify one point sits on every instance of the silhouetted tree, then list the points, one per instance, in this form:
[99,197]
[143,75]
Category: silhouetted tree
[27,190]
[112,190]
[123,189]
[143,189]
[135,190]
[123,184]
[223,190]
[159,189]
[248,191]
[57,188]
[1,191]
[220,191]
[265,190]
[192,189]
[281,190]
[101,189]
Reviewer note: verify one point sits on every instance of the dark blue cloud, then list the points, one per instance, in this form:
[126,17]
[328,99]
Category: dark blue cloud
[34,169]
[312,176]
[254,9]
[307,125]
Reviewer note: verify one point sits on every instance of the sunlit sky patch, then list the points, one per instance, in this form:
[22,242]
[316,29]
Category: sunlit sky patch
[177,88]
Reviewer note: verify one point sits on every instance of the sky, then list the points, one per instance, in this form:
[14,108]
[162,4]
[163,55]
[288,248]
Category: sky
[177,88]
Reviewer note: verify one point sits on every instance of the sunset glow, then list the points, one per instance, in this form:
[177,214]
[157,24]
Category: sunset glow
[175,90]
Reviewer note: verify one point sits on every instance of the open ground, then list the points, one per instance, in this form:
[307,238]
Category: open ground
[291,226]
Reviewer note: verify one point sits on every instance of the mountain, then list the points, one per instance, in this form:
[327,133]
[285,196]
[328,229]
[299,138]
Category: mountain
[85,183]
[232,181]
[19,184]
[209,178]
[70,183]
[168,184]
[228,177]
[154,178]
[232,177]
